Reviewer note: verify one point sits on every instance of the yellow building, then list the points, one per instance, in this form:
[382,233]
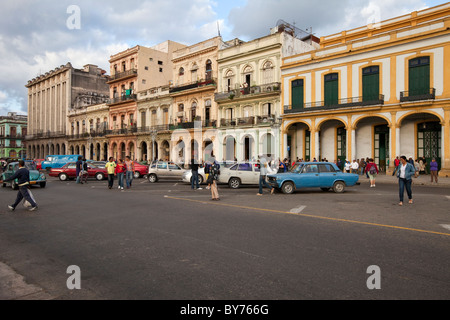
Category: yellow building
[377,91]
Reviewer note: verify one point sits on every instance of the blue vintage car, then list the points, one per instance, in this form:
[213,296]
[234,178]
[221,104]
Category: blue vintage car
[324,175]
[36,177]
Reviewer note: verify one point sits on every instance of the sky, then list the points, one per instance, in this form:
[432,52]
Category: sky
[38,36]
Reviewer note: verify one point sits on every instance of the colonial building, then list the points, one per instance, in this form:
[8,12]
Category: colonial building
[195,71]
[134,70]
[377,91]
[51,97]
[249,92]
[13,129]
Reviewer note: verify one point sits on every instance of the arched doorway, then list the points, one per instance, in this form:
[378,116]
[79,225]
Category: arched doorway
[229,148]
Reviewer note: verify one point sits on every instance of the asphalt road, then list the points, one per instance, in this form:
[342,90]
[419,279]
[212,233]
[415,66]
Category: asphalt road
[165,241]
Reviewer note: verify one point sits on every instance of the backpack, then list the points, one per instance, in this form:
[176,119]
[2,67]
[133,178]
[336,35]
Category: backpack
[372,170]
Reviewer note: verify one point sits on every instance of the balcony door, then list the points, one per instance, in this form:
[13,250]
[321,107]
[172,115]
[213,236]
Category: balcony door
[331,89]
[419,76]
[371,83]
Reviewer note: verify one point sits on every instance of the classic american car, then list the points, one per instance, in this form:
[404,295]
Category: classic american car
[323,175]
[36,178]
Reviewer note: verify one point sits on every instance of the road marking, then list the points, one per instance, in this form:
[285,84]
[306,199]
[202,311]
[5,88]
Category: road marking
[298,210]
[448,197]
[446,226]
[311,216]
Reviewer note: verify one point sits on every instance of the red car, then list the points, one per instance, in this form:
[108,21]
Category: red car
[38,163]
[140,170]
[68,171]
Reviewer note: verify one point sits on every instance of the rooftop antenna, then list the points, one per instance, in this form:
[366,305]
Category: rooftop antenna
[218,28]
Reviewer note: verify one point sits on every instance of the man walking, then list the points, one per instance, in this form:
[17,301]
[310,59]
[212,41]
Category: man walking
[129,165]
[79,169]
[262,177]
[23,177]
[194,180]
[111,168]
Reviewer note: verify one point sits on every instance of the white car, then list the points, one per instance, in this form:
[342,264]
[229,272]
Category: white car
[187,176]
[239,174]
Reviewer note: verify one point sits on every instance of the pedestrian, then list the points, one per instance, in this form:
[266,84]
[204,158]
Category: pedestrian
[214,172]
[111,168]
[434,168]
[396,164]
[194,179]
[347,166]
[119,172]
[130,171]
[362,166]
[372,171]
[262,177]
[355,166]
[84,173]
[405,173]
[78,169]
[207,170]
[23,177]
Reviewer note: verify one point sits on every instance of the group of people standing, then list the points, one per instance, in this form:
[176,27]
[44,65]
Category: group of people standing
[124,170]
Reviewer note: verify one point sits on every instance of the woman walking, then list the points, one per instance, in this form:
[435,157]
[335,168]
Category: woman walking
[212,179]
[120,170]
[372,171]
[405,173]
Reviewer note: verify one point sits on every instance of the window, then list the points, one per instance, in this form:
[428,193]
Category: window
[180,107]
[311,168]
[181,72]
[208,70]
[419,76]
[371,83]
[162,165]
[326,168]
[331,90]
[245,167]
[268,71]
[297,94]
[160,63]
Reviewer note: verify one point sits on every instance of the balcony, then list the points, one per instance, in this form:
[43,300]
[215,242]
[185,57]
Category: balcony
[418,95]
[124,98]
[341,103]
[123,75]
[192,125]
[193,85]
[248,92]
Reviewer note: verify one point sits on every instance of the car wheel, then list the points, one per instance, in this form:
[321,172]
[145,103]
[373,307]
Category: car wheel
[288,188]
[42,184]
[200,179]
[339,187]
[63,177]
[136,175]
[152,178]
[325,189]
[99,176]
[234,183]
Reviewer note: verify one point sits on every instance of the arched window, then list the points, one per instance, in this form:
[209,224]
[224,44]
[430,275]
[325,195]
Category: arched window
[267,72]
[208,70]
[181,72]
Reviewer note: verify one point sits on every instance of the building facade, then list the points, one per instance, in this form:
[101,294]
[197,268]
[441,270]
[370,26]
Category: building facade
[132,71]
[13,130]
[51,97]
[378,91]
[249,93]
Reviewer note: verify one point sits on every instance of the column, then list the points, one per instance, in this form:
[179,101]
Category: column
[445,149]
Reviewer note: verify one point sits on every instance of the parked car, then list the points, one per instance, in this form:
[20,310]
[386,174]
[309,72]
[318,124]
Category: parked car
[140,170]
[164,170]
[239,174]
[58,161]
[324,175]
[100,164]
[187,176]
[38,163]
[68,171]
[36,178]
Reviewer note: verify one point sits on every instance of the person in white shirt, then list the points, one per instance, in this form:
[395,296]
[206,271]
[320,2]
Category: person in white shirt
[355,166]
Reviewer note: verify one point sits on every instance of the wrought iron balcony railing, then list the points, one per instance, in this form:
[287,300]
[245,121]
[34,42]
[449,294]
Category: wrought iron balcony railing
[418,95]
[122,75]
[193,85]
[124,98]
[330,105]
[248,92]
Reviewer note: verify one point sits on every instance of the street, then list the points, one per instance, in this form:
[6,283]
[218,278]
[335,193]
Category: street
[164,241]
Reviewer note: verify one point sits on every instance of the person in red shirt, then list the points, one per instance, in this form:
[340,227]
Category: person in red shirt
[119,172]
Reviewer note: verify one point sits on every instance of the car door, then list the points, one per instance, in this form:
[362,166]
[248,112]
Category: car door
[327,175]
[308,178]
[245,172]
[71,170]
[162,170]
[174,171]
[9,172]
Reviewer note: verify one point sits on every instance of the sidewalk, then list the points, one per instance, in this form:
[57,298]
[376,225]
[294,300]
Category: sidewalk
[423,180]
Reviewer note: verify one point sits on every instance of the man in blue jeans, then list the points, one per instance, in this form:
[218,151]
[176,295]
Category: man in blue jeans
[23,177]
[405,172]
[262,177]
[194,180]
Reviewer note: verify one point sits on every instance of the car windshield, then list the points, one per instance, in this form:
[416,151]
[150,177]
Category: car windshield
[297,168]
[30,165]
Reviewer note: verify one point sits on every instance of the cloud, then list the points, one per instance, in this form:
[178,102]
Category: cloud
[326,17]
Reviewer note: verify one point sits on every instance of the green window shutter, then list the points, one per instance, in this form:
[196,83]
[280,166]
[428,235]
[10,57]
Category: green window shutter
[331,90]
[419,76]
[297,94]
[371,83]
